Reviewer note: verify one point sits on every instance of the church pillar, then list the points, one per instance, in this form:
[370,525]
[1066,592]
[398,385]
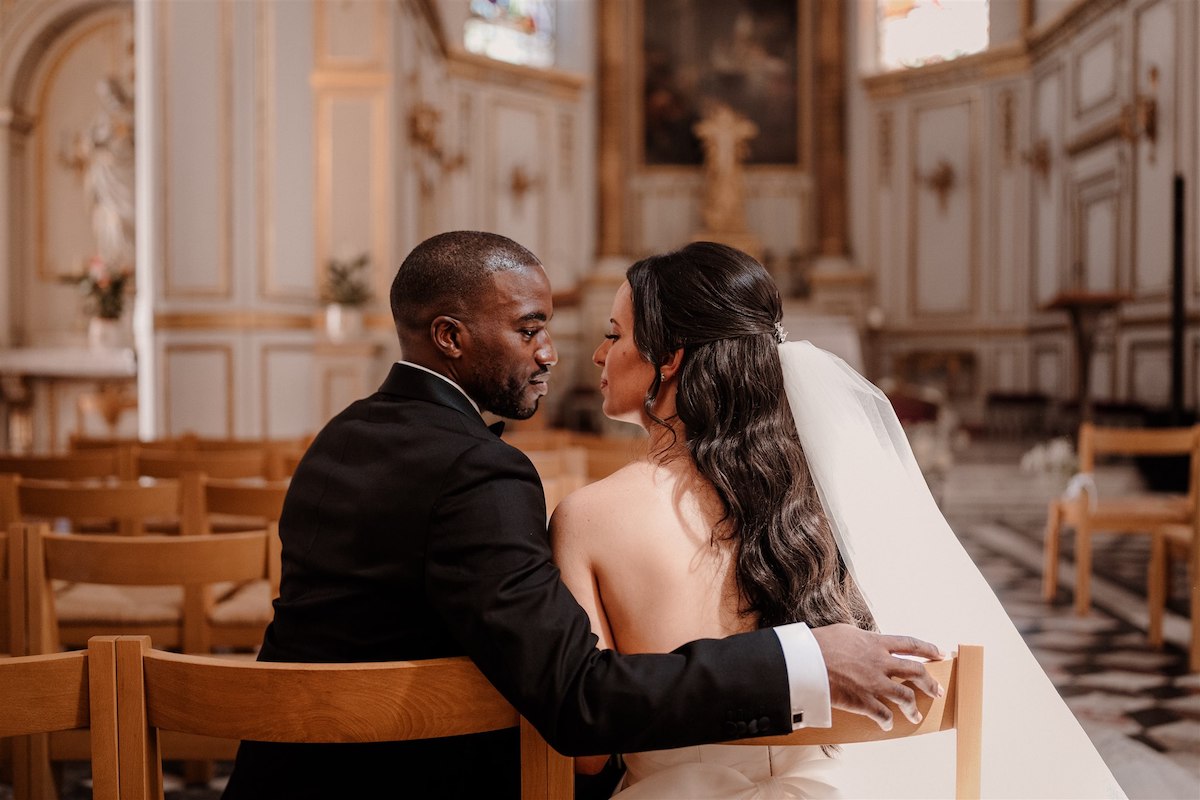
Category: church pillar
[611,167]
[829,114]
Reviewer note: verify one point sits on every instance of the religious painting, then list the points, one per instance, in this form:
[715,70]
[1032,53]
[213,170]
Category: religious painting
[698,54]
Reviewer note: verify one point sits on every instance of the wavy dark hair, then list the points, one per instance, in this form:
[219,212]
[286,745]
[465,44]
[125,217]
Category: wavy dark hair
[721,306]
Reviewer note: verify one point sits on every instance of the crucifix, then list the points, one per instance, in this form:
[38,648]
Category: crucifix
[725,135]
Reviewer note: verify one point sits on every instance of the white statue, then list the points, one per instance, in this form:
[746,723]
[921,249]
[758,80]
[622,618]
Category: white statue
[103,155]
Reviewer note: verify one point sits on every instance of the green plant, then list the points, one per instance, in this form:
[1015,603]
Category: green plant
[103,288]
[344,284]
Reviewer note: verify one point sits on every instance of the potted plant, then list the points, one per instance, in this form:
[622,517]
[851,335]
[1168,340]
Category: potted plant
[346,291]
[103,288]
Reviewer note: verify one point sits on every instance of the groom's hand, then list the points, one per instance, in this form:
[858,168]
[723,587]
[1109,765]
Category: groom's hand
[864,671]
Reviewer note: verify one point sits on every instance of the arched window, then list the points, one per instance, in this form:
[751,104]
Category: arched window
[516,31]
[912,33]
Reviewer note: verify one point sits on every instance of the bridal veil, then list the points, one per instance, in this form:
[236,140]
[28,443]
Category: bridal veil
[918,581]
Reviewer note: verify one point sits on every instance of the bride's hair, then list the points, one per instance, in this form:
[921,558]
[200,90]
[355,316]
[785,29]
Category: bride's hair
[721,306]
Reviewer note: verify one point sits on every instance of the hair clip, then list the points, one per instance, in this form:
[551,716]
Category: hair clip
[780,334]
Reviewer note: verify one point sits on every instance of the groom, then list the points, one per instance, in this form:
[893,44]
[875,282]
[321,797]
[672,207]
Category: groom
[411,531]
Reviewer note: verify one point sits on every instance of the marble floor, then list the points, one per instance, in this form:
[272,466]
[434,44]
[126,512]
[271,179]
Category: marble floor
[1140,706]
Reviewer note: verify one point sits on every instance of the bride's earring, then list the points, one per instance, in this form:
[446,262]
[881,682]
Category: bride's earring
[662,377]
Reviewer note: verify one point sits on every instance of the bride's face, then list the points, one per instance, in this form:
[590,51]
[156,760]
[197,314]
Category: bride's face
[624,375]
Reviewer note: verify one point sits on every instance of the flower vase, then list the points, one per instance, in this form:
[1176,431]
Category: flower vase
[104,333]
[343,322]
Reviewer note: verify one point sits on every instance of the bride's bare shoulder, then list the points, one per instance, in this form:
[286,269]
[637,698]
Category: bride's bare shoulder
[607,501]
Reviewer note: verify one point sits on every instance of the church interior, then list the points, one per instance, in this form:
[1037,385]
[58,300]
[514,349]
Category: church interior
[989,208]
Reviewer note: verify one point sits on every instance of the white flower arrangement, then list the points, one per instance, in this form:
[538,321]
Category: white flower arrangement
[1056,457]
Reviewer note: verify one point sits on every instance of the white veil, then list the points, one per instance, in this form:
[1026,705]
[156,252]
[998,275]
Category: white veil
[919,581]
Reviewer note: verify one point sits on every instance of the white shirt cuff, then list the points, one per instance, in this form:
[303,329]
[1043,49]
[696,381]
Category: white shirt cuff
[808,679]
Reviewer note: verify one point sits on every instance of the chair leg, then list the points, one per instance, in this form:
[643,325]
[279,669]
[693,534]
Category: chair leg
[1050,547]
[32,777]
[1194,589]
[1083,570]
[1156,586]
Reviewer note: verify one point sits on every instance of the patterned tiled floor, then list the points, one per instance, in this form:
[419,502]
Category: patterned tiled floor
[1140,707]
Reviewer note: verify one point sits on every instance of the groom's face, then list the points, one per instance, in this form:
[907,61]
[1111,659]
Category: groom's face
[507,370]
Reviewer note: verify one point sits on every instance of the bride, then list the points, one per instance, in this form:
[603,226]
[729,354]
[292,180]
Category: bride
[778,487]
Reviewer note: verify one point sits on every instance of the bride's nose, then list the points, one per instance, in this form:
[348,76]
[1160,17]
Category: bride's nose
[601,353]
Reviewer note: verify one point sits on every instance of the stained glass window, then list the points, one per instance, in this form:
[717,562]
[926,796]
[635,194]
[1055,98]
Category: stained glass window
[912,33]
[516,31]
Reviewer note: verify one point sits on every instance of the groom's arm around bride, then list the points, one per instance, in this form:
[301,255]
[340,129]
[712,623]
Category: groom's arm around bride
[410,530]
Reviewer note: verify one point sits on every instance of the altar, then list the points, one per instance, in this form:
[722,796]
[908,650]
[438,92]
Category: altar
[47,393]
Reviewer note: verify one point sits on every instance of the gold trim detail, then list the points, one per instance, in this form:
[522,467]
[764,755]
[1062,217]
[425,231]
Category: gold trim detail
[1067,23]
[1002,61]
[555,82]
[350,79]
[941,181]
[234,320]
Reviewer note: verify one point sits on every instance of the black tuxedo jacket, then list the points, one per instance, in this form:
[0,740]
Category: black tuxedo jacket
[411,531]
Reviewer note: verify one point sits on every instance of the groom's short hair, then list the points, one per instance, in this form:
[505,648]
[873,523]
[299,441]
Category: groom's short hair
[450,274]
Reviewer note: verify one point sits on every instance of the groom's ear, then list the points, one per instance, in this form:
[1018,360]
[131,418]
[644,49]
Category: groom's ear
[446,334]
[669,367]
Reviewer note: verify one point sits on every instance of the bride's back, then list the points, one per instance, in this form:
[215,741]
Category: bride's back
[663,577]
[720,530]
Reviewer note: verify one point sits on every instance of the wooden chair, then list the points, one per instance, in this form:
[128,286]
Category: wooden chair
[1175,541]
[240,613]
[100,463]
[960,709]
[127,505]
[1182,542]
[58,692]
[250,463]
[106,559]
[188,561]
[1134,514]
[12,603]
[281,455]
[375,702]
[86,609]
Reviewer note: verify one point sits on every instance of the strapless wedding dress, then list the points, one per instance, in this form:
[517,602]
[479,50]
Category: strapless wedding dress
[729,772]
